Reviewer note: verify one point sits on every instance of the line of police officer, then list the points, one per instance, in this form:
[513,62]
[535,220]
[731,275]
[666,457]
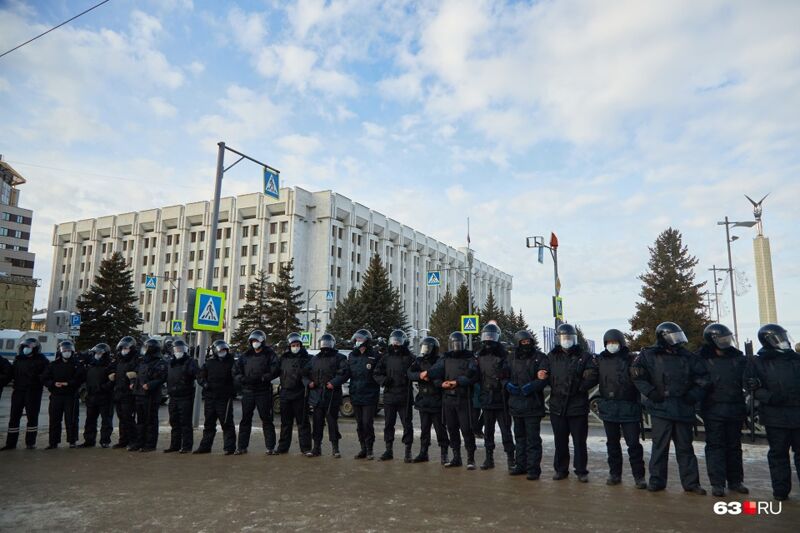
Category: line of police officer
[672,381]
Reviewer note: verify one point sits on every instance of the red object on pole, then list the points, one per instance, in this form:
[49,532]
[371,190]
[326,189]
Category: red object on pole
[553,240]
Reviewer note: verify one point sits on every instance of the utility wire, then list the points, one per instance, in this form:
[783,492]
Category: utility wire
[53,28]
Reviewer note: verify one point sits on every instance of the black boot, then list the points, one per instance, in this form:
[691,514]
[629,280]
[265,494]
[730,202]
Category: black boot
[512,461]
[444,454]
[407,458]
[423,455]
[456,460]
[470,459]
[489,461]
[370,455]
[387,455]
[335,447]
[363,453]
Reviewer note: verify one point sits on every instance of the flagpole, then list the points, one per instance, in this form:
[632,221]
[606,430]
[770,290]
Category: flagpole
[469,279]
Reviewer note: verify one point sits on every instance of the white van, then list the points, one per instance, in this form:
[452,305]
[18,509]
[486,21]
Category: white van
[10,339]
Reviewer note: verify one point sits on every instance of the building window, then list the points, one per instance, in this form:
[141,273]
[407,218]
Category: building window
[284,227]
[338,272]
[163,316]
[227,251]
[271,269]
[200,255]
[243,270]
[193,236]
[254,250]
[225,272]
[244,251]
[175,257]
[284,247]
[216,253]
[273,228]
[169,240]
[202,236]
[163,297]
[244,230]
[146,243]
[216,272]
[147,316]
[227,233]
[341,232]
[333,231]
[252,270]
[167,258]
[144,277]
[144,261]
[241,292]
[149,297]
[141,298]
[255,230]
[272,247]
[191,255]
[219,233]
[190,274]
[339,252]
[177,240]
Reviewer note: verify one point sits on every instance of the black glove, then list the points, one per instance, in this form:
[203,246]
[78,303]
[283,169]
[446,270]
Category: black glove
[655,396]
[753,383]
[388,381]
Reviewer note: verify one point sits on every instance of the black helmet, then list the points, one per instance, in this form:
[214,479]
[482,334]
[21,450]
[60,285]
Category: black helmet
[327,341]
[522,335]
[566,336]
[66,345]
[257,336]
[457,341]
[167,345]
[490,333]
[294,337]
[180,343]
[151,347]
[719,336]
[398,338]
[775,337]
[429,347]
[220,346]
[101,349]
[126,342]
[361,337]
[32,344]
[614,335]
[670,334]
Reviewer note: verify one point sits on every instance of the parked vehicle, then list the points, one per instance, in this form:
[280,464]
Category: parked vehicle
[10,339]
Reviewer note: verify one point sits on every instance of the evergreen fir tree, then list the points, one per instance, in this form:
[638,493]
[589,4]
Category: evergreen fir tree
[348,316]
[109,309]
[444,318]
[380,302]
[283,306]
[669,293]
[253,314]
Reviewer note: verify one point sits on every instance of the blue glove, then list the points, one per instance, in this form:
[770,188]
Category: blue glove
[527,389]
[512,389]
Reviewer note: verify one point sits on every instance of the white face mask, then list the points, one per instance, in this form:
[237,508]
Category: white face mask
[143,351]
[359,343]
[295,349]
[66,355]
[784,345]
[178,354]
[256,345]
[125,351]
[98,356]
[222,353]
[425,349]
[26,351]
[612,347]
[567,343]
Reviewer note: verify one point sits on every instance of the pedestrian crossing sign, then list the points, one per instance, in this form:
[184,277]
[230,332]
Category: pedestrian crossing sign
[272,184]
[470,324]
[150,282]
[434,278]
[177,327]
[305,338]
[209,308]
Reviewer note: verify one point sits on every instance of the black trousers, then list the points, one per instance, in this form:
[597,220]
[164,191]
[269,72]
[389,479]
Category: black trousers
[391,413]
[64,408]
[147,421]
[126,409]
[294,411]
[104,410]
[681,433]
[218,409]
[180,422]
[458,417]
[328,413]
[780,467]
[503,419]
[724,451]
[527,430]
[29,400]
[365,424]
[251,402]
[476,420]
[630,431]
[563,428]
[428,419]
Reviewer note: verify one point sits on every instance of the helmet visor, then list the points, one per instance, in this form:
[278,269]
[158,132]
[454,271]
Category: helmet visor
[779,340]
[676,338]
[567,341]
[326,343]
[456,345]
[724,342]
[490,336]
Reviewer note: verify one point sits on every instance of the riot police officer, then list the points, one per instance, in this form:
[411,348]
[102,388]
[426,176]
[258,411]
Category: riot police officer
[364,390]
[99,403]
[181,375]
[619,408]
[572,374]
[457,373]
[28,367]
[392,374]
[6,374]
[775,381]
[672,379]
[294,367]
[723,408]
[492,365]
[151,372]
[123,375]
[328,373]
[63,378]
[429,400]
[527,378]
[254,371]
[216,380]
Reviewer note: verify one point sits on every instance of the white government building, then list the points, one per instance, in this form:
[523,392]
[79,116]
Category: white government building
[330,237]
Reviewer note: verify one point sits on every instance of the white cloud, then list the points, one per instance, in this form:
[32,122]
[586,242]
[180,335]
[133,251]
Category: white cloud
[4,85]
[161,107]
[248,29]
[302,145]
[196,68]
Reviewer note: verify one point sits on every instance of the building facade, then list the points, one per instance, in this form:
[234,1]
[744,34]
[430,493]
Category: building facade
[330,237]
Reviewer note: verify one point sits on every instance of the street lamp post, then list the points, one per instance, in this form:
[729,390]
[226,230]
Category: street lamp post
[728,240]
[538,242]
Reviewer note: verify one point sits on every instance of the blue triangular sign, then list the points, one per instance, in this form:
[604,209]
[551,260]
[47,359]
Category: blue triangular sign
[469,325]
[272,184]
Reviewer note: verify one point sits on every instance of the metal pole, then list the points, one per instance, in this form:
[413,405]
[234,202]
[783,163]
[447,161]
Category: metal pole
[733,279]
[178,306]
[716,290]
[469,289]
[316,324]
[555,280]
[308,302]
[212,244]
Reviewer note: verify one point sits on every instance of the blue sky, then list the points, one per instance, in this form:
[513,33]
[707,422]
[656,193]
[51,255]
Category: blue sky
[604,122]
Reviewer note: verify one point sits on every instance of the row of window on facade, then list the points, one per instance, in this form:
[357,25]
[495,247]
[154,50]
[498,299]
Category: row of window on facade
[19,219]
[15,233]
[15,247]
